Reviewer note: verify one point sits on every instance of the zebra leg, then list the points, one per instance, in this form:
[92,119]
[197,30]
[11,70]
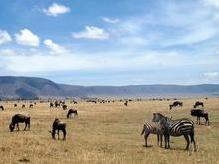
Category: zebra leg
[188,142]
[146,138]
[158,139]
[168,141]
[193,140]
[161,140]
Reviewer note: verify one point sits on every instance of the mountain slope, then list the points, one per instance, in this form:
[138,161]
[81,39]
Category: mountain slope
[32,87]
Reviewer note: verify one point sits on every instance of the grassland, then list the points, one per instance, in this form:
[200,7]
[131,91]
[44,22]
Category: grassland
[105,133]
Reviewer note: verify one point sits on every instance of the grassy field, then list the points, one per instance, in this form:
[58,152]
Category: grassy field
[105,133]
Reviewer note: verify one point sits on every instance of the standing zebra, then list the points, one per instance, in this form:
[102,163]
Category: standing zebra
[176,128]
[153,128]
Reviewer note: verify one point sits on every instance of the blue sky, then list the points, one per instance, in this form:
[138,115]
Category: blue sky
[102,42]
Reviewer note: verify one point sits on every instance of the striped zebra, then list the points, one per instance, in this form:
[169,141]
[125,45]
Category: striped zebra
[176,128]
[153,128]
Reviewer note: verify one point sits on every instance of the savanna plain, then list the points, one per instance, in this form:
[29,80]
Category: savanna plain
[105,133]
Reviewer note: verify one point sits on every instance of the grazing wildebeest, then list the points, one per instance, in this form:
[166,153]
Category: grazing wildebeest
[200,113]
[31,106]
[153,128]
[2,108]
[126,103]
[176,128]
[51,105]
[176,103]
[72,111]
[23,106]
[64,107]
[198,103]
[57,104]
[58,125]
[15,105]
[19,118]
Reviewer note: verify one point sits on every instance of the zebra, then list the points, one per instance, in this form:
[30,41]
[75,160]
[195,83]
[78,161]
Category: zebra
[176,128]
[153,128]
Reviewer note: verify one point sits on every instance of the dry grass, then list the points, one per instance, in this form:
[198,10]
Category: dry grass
[105,133]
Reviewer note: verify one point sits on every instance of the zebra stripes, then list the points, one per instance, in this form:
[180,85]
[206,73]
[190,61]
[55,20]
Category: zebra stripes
[176,128]
[152,128]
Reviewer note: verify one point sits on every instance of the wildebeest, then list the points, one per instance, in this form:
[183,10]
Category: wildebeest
[23,106]
[72,111]
[176,103]
[51,105]
[31,106]
[200,113]
[19,118]
[153,128]
[176,128]
[2,108]
[126,103]
[198,103]
[57,126]
[64,107]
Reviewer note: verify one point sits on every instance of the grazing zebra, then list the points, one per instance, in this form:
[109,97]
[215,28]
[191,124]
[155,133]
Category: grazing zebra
[176,128]
[153,128]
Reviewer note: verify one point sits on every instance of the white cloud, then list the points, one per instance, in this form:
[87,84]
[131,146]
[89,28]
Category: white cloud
[4,37]
[92,32]
[211,75]
[213,3]
[27,38]
[7,52]
[55,48]
[56,9]
[110,20]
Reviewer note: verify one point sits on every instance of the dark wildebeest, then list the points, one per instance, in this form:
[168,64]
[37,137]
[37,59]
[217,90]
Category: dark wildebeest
[175,104]
[72,111]
[126,103]
[15,105]
[200,113]
[57,104]
[1,107]
[198,103]
[23,106]
[64,107]
[19,118]
[51,105]
[31,106]
[56,126]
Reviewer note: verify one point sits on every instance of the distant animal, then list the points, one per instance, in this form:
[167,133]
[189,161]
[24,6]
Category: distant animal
[51,105]
[126,103]
[57,104]
[200,113]
[57,126]
[15,105]
[64,107]
[198,103]
[19,118]
[153,128]
[2,108]
[72,111]
[31,106]
[23,106]
[175,104]
[176,128]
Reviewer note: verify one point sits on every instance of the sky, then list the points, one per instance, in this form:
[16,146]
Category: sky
[111,42]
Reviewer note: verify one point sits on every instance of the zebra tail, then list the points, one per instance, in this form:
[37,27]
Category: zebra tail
[143,130]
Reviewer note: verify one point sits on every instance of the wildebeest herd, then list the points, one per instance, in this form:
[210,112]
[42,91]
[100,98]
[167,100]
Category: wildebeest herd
[160,125]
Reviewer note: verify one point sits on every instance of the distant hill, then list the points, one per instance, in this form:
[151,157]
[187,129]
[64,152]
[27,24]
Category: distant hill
[32,87]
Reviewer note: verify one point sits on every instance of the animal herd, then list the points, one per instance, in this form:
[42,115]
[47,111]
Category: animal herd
[160,125]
